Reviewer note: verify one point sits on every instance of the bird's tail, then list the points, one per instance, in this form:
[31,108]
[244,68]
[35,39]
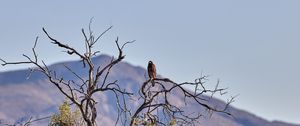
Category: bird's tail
[152,81]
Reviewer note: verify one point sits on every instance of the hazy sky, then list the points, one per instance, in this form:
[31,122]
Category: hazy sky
[251,46]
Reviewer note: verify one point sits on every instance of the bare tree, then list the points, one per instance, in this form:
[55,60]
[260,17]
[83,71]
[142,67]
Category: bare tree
[156,105]
[82,93]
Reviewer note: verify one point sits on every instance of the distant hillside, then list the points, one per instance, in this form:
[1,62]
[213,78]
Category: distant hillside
[21,97]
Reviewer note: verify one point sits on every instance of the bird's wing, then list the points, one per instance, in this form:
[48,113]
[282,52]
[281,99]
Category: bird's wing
[149,70]
[154,70]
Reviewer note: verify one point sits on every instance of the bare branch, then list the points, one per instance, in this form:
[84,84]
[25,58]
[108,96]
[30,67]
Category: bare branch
[127,43]
[101,35]
[70,49]
[76,75]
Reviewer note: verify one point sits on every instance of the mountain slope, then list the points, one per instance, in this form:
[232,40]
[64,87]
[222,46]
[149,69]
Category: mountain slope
[22,97]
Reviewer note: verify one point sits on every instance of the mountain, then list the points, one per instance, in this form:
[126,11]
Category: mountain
[22,97]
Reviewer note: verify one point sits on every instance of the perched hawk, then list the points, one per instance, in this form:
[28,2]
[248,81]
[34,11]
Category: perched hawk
[151,72]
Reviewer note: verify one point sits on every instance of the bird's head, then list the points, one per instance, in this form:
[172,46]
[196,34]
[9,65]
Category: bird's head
[150,62]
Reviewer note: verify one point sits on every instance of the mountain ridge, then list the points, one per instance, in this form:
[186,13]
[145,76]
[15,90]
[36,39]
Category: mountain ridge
[38,93]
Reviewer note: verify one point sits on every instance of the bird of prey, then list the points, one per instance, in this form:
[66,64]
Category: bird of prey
[151,72]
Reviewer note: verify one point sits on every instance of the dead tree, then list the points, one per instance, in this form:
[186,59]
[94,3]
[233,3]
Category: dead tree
[158,107]
[82,93]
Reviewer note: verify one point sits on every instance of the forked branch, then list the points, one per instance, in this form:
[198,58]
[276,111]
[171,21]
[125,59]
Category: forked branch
[157,101]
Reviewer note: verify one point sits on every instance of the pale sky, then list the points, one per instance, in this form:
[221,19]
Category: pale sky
[251,46]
